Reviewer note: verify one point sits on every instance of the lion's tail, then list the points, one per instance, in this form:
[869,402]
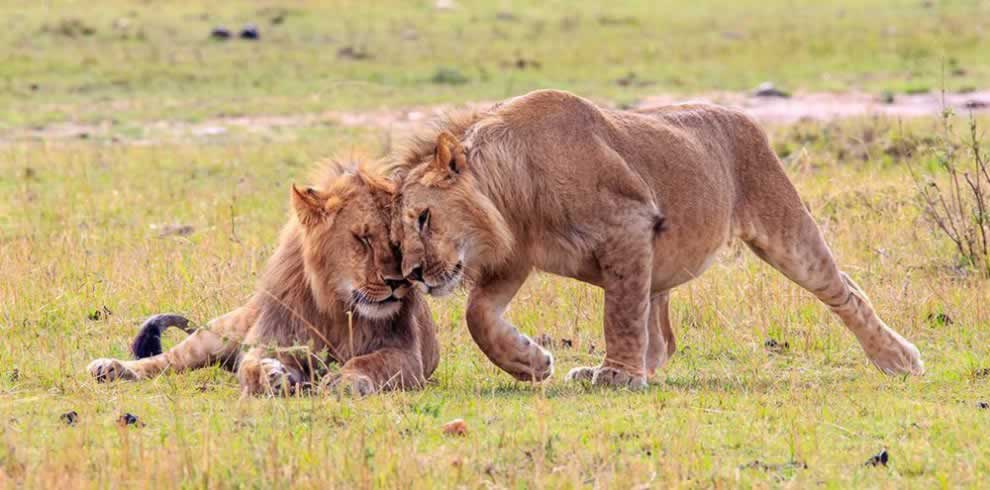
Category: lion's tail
[148,341]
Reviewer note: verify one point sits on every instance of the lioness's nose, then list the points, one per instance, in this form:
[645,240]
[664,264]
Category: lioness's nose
[416,274]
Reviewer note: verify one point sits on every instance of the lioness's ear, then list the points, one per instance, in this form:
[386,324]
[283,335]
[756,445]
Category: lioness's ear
[449,155]
[313,206]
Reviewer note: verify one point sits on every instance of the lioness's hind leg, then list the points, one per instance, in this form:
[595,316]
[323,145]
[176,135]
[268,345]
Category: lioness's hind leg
[662,344]
[792,243]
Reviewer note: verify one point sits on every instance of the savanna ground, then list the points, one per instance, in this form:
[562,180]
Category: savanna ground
[100,230]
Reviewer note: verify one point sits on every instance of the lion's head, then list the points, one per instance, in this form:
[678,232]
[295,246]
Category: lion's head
[445,225]
[346,247]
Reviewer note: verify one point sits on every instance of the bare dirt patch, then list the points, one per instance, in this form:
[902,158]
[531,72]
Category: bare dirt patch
[769,110]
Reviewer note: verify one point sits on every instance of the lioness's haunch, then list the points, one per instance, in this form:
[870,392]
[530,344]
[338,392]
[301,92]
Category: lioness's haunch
[636,202]
[333,285]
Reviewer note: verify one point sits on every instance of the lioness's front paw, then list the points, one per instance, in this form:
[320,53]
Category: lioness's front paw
[107,370]
[898,356]
[353,384]
[534,364]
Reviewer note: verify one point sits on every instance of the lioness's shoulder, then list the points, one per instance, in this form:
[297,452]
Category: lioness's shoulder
[546,106]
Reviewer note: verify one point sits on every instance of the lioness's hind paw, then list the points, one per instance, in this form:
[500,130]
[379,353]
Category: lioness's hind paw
[617,378]
[107,370]
[580,374]
[357,385]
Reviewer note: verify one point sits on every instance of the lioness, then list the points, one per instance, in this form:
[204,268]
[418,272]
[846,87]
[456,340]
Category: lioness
[333,284]
[636,202]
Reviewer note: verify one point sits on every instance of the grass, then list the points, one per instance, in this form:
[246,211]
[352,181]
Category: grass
[131,62]
[80,223]
[78,238]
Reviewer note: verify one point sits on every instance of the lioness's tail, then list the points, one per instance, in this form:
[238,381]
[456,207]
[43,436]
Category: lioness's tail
[148,341]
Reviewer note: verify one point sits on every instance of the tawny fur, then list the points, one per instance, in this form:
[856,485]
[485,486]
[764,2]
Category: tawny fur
[335,243]
[636,202]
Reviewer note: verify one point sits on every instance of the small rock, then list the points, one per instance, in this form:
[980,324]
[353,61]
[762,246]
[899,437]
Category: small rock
[879,459]
[176,229]
[220,33]
[767,89]
[449,76]
[983,405]
[69,418]
[250,33]
[976,104]
[627,80]
[773,346]
[129,419]
[887,97]
[456,427]
[14,375]
[566,343]
[444,5]
[981,373]
[506,16]
[100,314]
[760,465]
[544,341]
[939,319]
[353,53]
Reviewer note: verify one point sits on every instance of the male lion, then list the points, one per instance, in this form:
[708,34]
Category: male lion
[333,284]
[636,202]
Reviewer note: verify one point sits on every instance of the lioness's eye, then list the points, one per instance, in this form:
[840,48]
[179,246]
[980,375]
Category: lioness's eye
[364,240]
[424,219]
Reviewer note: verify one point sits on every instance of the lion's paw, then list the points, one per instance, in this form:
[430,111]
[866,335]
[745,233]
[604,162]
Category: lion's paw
[107,370]
[278,378]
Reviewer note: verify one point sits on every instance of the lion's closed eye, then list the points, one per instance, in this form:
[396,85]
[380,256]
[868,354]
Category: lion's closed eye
[424,220]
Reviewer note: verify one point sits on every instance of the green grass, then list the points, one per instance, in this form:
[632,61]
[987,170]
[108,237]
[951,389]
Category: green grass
[79,226]
[77,238]
[138,61]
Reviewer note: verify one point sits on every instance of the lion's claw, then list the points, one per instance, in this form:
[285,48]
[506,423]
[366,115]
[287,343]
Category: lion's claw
[107,370]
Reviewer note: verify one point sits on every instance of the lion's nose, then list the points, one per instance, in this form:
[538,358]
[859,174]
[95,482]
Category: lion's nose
[394,284]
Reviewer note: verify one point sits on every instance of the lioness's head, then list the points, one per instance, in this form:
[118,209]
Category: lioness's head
[445,225]
[347,252]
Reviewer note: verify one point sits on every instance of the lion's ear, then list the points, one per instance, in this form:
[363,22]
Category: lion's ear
[449,156]
[313,206]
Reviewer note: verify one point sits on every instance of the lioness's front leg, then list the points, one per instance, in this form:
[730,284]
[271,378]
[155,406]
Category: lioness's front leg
[505,346]
[626,266]
[384,369]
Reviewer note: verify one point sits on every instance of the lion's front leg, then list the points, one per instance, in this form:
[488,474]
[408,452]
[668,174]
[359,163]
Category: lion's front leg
[384,369]
[626,266]
[504,345]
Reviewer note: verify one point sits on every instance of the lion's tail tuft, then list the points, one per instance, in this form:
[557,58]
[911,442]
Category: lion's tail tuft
[148,341]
